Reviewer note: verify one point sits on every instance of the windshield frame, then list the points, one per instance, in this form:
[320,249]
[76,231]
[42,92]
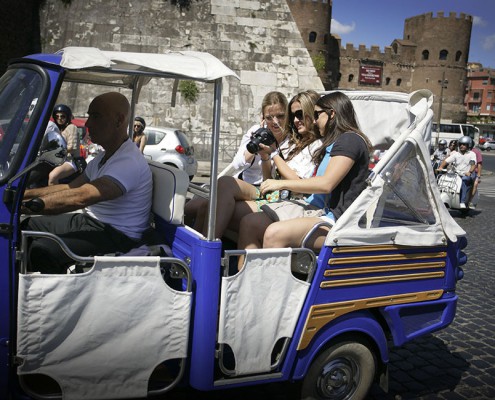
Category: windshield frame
[25,144]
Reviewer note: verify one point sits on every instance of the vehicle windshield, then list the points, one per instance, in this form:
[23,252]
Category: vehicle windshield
[405,199]
[19,93]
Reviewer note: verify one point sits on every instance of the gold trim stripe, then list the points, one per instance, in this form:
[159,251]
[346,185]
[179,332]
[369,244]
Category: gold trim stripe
[321,314]
[386,257]
[383,268]
[383,247]
[381,279]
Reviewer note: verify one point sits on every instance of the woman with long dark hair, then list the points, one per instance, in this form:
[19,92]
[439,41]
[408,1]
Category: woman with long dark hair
[340,177]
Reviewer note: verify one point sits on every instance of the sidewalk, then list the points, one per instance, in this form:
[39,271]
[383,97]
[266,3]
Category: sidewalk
[204,167]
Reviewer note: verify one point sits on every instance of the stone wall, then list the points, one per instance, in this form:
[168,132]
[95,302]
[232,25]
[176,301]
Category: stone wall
[259,40]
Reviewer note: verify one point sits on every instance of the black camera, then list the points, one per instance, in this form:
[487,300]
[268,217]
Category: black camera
[262,135]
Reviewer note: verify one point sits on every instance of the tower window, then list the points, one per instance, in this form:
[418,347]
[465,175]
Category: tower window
[399,81]
[312,37]
[351,77]
[426,54]
[458,56]
[387,81]
[443,55]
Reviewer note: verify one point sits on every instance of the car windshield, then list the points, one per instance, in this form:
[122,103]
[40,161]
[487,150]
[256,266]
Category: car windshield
[20,90]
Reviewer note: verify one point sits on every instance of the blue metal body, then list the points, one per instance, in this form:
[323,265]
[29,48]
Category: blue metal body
[401,321]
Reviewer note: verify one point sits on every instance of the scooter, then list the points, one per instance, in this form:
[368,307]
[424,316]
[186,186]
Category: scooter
[449,182]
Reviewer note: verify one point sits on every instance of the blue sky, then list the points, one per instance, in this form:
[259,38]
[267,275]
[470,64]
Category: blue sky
[379,22]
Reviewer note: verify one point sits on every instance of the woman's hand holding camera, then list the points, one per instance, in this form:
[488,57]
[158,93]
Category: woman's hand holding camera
[267,152]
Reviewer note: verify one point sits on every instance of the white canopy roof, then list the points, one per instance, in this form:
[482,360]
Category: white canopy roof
[185,64]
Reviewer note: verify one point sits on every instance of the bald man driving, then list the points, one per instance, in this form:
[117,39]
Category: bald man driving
[114,194]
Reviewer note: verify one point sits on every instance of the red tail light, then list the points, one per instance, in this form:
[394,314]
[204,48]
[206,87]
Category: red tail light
[179,149]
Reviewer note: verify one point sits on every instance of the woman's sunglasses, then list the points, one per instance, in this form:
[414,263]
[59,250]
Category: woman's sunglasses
[298,114]
[317,114]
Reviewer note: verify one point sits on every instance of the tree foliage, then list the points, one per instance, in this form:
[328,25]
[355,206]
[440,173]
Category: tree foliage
[189,90]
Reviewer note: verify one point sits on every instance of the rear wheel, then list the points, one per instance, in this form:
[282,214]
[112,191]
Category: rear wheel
[344,371]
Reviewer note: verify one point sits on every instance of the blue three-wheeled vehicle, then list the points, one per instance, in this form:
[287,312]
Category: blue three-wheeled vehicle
[139,326]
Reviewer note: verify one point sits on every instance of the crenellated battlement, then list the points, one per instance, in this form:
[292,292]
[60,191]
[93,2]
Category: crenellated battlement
[440,14]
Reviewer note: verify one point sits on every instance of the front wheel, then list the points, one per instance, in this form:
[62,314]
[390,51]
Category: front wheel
[344,371]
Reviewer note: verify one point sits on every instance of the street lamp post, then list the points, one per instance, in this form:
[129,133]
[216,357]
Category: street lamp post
[443,84]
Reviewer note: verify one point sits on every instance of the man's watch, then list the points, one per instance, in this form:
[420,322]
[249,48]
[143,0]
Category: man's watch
[35,205]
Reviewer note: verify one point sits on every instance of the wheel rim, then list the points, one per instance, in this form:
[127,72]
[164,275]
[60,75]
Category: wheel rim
[338,379]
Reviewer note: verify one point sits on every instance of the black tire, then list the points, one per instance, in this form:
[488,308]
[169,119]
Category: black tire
[488,149]
[344,371]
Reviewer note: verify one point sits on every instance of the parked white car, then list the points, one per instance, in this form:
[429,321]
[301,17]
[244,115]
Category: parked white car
[488,145]
[170,146]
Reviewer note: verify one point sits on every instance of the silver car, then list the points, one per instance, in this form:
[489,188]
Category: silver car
[172,147]
[488,145]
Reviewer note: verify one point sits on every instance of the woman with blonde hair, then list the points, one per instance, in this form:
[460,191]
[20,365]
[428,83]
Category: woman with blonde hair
[291,159]
[340,178]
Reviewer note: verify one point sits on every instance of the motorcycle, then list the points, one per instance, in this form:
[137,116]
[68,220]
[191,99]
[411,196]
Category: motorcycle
[449,182]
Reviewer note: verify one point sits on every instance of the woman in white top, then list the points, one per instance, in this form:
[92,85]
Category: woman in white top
[247,166]
[292,160]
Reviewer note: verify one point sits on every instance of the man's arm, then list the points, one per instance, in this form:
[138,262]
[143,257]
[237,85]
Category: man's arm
[75,198]
[44,191]
[443,164]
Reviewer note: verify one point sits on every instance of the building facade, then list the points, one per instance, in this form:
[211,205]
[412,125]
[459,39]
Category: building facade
[480,95]
[432,54]
[313,20]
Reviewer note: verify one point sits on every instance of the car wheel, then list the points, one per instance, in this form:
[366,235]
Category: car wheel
[344,371]
[488,149]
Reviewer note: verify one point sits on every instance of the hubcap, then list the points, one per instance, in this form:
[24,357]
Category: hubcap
[338,379]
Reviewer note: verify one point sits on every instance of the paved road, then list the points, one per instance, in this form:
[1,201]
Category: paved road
[457,363]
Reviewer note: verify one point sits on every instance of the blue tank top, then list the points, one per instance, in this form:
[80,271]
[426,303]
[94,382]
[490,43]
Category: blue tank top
[321,200]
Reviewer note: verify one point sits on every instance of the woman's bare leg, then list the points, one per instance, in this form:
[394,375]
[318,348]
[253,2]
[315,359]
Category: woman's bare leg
[251,230]
[290,233]
[192,212]
[230,191]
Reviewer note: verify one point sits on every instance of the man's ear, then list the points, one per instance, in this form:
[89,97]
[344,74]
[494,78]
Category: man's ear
[121,119]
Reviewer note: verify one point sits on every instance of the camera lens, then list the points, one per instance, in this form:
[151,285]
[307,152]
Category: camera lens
[253,146]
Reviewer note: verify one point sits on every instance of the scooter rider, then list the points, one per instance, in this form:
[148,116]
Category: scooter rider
[442,152]
[465,163]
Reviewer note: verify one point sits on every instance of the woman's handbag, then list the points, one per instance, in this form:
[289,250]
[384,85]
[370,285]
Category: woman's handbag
[289,209]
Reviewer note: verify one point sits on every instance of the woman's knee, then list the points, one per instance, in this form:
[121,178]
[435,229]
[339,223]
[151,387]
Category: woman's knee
[274,236]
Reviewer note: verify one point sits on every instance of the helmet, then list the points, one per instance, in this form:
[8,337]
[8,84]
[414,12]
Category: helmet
[140,119]
[53,141]
[442,142]
[63,109]
[466,140]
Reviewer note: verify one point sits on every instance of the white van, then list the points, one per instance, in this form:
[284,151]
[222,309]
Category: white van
[453,131]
